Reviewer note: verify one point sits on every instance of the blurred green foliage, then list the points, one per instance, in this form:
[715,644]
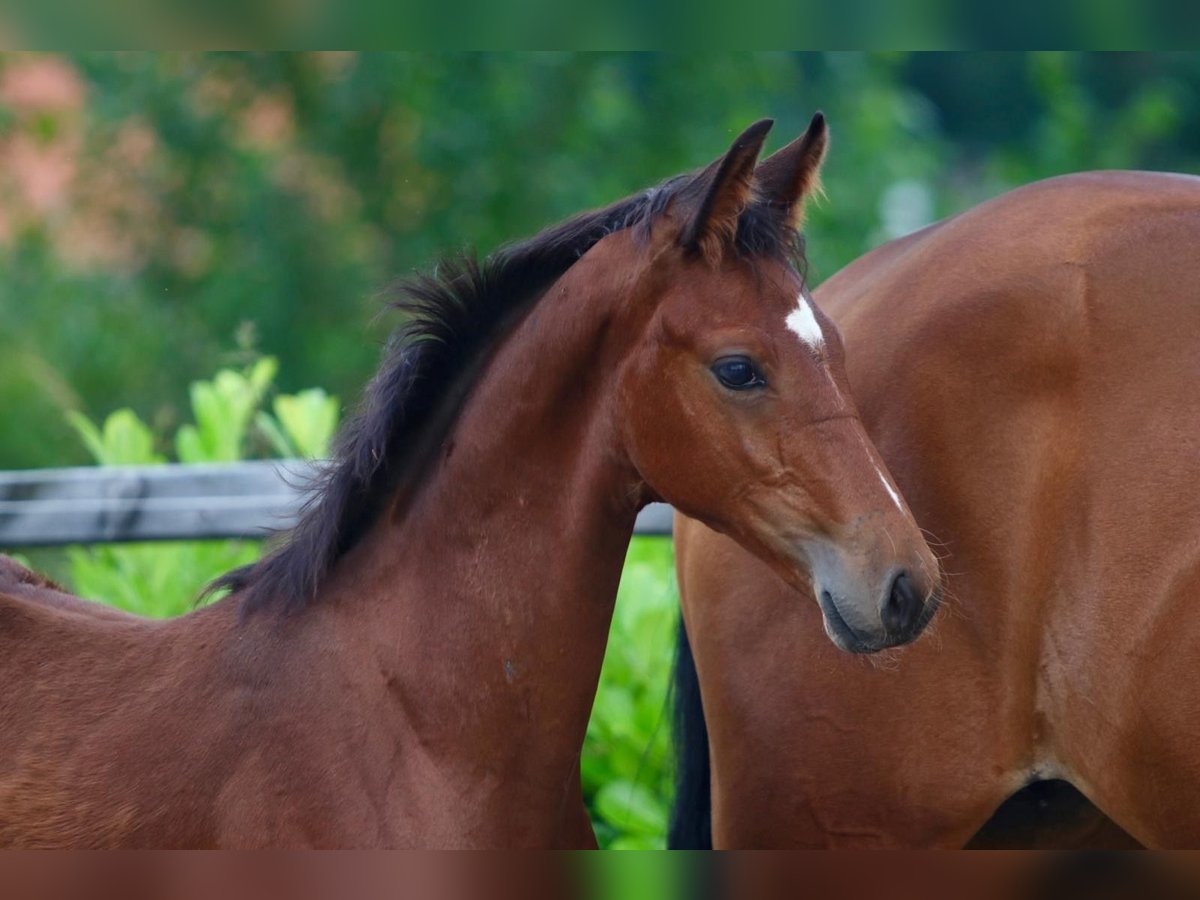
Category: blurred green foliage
[161,214]
[164,579]
[626,765]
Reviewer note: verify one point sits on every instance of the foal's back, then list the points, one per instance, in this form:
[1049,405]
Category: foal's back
[134,732]
[55,733]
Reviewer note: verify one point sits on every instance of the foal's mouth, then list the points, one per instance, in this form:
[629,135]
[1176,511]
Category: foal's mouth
[842,633]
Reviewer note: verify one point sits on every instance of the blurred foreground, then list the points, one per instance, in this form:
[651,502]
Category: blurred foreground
[497,876]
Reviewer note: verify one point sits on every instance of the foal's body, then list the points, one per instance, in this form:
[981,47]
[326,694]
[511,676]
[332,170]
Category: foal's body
[416,665]
[1030,370]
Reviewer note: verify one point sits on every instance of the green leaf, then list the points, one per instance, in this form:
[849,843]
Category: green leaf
[613,709]
[188,446]
[124,439]
[262,374]
[279,441]
[89,433]
[309,419]
[128,440]
[223,409]
[632,808]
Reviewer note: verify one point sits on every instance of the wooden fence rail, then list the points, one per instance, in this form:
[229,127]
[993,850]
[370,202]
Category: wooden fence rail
[92,505]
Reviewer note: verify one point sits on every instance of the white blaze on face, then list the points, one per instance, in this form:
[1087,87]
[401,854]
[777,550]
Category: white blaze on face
[804,324]
[887,487]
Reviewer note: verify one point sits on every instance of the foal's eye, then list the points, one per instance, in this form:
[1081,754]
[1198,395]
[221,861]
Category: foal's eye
[738,373]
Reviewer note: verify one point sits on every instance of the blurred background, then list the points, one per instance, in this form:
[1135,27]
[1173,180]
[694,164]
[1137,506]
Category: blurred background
[168,217]
[162,214]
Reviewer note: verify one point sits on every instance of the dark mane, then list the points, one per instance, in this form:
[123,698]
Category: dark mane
[450,319]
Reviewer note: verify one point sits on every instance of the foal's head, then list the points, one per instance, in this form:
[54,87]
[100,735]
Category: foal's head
[736,404]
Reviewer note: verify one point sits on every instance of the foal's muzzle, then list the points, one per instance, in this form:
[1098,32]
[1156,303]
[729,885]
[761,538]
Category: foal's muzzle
[857,625]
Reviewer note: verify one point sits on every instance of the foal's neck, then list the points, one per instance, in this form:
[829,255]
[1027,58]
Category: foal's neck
[489,594]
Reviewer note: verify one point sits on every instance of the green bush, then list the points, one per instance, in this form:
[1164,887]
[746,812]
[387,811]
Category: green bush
[626,758]
[625,763]
[163,579]
[181,197]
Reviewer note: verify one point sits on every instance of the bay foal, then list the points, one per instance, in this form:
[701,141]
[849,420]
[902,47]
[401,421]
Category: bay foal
[1030,371]
[416,664]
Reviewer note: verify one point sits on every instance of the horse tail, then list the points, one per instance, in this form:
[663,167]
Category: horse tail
[691,814]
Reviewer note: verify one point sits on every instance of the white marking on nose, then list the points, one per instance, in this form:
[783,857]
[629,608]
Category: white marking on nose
[803,323]
[887,487]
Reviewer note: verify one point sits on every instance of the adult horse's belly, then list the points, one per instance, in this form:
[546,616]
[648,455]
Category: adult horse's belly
[1030,372]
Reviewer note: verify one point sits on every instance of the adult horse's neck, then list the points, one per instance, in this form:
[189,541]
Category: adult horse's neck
[485,593]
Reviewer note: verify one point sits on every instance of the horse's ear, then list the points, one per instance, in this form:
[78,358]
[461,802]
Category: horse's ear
[789,176]
[724,190]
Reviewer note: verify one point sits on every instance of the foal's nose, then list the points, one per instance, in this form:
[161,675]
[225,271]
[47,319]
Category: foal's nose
[902,609]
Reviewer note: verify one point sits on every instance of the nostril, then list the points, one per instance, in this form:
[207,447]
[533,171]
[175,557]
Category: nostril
[902,607]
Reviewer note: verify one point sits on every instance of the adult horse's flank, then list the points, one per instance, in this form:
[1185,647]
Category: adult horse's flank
[416,664]
[1031,372]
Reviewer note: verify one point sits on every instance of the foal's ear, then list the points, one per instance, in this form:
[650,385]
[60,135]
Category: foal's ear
[724,188]
[789,176]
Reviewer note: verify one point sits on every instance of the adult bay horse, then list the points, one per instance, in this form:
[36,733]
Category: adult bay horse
[1030,370]
[415,665]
